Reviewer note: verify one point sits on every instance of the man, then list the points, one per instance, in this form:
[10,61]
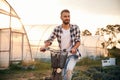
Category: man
[68,37]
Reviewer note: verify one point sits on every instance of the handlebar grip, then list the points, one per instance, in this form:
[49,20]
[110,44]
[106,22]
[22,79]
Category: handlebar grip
[43,50]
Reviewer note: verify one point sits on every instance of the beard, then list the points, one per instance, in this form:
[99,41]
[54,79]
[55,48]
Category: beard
[66,22]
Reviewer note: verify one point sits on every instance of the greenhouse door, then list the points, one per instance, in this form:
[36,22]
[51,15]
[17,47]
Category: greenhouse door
[16,46]
[4,47]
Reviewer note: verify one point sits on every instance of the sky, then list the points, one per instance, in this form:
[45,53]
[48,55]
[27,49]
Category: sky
[87,14]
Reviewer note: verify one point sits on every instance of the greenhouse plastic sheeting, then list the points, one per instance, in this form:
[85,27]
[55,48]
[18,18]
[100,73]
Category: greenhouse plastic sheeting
[14,42]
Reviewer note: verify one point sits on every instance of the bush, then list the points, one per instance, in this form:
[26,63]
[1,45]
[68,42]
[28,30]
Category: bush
[43,65]
[89,62]
[95,71]
[115,52]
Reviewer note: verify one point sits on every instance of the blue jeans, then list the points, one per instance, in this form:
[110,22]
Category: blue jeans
[67,72]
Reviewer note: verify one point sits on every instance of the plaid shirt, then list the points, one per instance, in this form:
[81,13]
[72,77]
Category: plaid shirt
[74,33]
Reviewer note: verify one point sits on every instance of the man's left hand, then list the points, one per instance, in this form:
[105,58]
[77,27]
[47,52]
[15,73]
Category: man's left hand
[73,50]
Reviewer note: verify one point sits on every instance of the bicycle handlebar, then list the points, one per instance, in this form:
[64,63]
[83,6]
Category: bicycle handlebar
[54,50]
[60,51]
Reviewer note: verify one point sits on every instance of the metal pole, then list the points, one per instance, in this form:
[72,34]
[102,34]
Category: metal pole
[10,38]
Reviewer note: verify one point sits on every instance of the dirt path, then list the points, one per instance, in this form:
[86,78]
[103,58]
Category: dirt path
[31,75]
[25,75]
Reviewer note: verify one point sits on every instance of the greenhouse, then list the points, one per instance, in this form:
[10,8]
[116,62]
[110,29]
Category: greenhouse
[90,45]
[14,42]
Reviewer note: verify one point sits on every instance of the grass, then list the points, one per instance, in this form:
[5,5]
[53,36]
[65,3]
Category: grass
[16,72]
[89,62]
[91,69]
[86,69]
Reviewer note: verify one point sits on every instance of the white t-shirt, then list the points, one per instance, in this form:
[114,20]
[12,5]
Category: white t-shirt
[65,39]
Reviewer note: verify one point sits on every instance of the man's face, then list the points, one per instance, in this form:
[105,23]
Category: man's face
[65,17]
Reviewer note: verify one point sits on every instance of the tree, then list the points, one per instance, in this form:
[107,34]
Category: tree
[86,33]
[100,31]
[112,31]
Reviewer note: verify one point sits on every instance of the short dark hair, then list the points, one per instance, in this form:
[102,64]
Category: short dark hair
[65,10]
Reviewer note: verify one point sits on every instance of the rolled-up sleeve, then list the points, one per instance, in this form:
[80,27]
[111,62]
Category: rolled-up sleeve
[77,37]
[52,36]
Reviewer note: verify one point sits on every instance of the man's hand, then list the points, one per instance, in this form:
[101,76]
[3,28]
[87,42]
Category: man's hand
[73,51]
[43,49]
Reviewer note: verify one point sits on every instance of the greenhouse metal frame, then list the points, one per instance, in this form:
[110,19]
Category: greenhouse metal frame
[14,42]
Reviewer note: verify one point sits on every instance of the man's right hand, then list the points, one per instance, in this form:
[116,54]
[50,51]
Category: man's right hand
[42,49]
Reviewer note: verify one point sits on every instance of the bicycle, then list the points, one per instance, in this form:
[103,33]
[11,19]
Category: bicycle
[58,60]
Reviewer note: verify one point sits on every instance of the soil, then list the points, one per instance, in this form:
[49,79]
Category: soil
[25,75]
